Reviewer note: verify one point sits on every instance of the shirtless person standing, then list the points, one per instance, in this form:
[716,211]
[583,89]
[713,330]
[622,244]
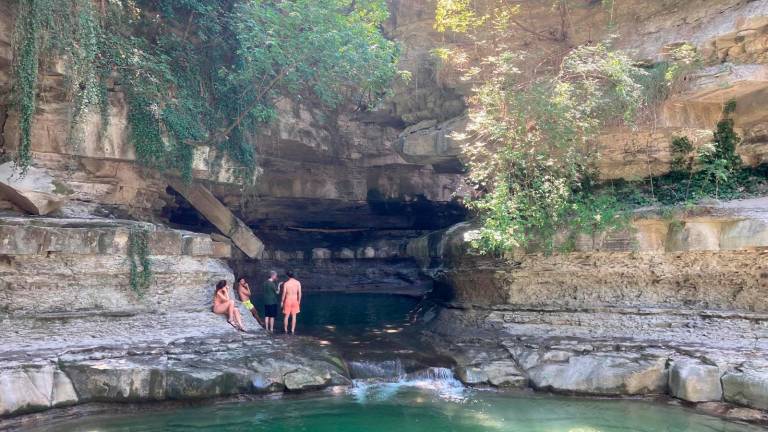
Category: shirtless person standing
[290,301]
[244,291]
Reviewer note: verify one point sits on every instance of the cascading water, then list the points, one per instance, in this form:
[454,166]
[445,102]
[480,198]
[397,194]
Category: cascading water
[388,369]
[380,381]
[398,384]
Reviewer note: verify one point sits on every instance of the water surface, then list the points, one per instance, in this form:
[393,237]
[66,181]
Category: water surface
[416,406]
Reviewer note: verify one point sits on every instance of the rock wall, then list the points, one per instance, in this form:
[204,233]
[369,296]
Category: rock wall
[729,34]
[675,305]
[82,266]
[710,257]
[74,331]
[340,163]
[338,168]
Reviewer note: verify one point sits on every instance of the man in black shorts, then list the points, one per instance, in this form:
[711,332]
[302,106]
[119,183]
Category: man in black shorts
[270,293]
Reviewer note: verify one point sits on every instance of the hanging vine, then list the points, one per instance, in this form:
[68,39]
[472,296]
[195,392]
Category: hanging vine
[48,29]
[138,257]
[201,72]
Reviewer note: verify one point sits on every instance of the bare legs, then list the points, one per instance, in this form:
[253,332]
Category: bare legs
[233,314]
[270,324]
[292,315]
[256,316]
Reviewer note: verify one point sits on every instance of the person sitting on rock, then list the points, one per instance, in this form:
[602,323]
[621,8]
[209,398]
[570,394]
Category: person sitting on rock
[223,305]
[290,301]
[244,291]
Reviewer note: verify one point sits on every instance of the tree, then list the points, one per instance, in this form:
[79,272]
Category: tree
[204,71]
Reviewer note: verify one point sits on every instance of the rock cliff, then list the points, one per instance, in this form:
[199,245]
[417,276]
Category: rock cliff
[671,305]
[675,305]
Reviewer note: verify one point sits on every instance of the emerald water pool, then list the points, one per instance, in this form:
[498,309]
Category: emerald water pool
[400,386]
[416,405]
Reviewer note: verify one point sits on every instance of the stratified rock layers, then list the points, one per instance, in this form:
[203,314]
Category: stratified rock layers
[672,306]
[74,330]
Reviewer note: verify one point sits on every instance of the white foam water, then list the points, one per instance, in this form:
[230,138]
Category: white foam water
[388,370]
[434,381]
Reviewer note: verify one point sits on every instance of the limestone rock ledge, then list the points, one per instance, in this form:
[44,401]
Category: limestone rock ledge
[723,362]
[673,306]
[50,266]
[710,257]
[74,331]
[184,369]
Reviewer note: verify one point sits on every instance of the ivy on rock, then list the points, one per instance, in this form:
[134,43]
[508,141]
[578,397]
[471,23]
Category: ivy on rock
[200,72]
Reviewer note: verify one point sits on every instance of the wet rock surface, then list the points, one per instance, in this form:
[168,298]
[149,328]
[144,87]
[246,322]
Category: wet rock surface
[141,360]
[595,354]
[75,331]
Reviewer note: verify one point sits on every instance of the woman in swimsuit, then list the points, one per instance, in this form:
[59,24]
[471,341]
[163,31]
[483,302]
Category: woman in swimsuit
[290,301]
[223,305]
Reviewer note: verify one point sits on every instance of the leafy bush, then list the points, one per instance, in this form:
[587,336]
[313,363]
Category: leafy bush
[531,156]
[202,72]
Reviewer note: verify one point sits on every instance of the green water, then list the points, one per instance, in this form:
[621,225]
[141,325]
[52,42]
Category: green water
[353,313]
[376,335]
[405,408]
[368,327]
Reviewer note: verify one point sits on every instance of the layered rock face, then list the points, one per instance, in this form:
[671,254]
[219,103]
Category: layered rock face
[315,167]
[676,305]
[673,305]
[74,330]
[730,35]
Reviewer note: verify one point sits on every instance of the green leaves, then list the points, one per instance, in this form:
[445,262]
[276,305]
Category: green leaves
[324,48]
[139,263]
[205,72]
[533,153]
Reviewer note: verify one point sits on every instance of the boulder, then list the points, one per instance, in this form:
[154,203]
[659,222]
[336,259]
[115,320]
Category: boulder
[25,390]
[304,379]
[747,387]
[603,375]
[63,391]
[321,254]
[694,381]
[499,373]
[346,253]
[205,382]
[117,380]
[35,192]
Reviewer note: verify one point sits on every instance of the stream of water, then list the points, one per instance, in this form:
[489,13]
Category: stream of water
[400,386]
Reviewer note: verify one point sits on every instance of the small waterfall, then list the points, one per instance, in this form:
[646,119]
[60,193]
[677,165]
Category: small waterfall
[388,370]
[433,374]
[383,380]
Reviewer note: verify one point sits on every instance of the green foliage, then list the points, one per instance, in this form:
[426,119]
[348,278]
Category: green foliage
[28,28]
[531,157]
[456,15]
[198,72]
[66,29]
[140,264]
[719,161]
[715,171]
[532,136]
[682,149]
[35,18]
[663,77]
